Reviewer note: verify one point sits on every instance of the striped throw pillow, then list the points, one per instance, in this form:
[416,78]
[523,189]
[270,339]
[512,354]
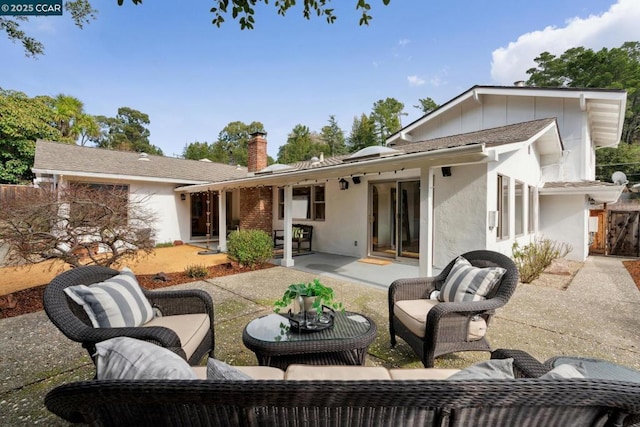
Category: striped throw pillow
[114,303]
[468,283]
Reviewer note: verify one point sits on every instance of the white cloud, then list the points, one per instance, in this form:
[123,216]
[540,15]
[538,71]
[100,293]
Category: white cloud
[415,81]
[610,29]
[404,42]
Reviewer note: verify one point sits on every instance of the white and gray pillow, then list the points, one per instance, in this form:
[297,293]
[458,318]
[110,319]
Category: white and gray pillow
[124,358]
[495,369]
[114,303]
[468,283]
[219,370]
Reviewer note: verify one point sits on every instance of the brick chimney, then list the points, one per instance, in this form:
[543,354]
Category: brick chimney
[257,152]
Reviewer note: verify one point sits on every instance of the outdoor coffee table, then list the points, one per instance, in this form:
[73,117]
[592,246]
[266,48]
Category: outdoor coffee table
[276,344]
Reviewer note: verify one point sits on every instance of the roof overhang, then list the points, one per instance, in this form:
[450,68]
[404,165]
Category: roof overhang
[444,157]
[599,194]
[117,177]
[605,109]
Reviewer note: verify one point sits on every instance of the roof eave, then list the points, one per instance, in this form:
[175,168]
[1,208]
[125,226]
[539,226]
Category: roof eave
[118,177]
[609,194]
[447,156]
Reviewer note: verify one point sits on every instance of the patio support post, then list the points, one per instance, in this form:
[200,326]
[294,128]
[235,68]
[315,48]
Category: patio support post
[425,266]
[222,221]
[287,259]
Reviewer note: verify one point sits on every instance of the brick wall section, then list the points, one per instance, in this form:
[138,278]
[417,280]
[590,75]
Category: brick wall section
[256,209]
[257,152]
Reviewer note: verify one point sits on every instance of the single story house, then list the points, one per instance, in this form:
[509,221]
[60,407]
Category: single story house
[491,167]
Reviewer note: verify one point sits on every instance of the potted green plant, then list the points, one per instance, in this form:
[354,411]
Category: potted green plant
[315,295]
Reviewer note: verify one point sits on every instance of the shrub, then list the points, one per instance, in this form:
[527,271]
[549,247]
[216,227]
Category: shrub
[164,245]
[250,247]
[533,258]
[196,271]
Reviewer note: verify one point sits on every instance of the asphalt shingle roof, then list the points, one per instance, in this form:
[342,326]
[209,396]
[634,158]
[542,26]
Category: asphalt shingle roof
[54,156]
[491,137]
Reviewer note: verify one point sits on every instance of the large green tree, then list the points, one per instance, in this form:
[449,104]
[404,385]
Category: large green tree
[298,147]
[427,105]
[23,120]
[386,117]
[127,131]
[333,136]
[82,12]
[71,120]
[231,146]
[615,68]
[626,158]
[362,134]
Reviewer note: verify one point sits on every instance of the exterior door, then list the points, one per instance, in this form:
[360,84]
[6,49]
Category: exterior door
[394,219]
[204,215]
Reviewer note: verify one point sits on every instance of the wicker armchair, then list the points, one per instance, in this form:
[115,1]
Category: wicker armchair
[447,323]
[74,323]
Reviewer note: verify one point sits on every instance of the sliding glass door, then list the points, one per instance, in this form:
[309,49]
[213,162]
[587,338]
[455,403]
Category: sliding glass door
[394,219]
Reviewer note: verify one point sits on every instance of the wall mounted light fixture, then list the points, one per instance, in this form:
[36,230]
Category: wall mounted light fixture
[344,184]
[183,197]
[446,171]
[356,180]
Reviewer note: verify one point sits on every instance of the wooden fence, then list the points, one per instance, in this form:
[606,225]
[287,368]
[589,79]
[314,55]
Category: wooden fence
[12,192]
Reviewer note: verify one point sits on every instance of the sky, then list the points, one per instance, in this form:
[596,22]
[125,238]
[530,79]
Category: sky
[165,58]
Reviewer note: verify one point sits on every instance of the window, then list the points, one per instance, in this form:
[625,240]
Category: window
[93,204]
[503,207]
[308,203]
[532,209]
[519,208]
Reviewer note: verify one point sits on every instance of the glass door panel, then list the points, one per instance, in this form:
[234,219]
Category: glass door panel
[409,219]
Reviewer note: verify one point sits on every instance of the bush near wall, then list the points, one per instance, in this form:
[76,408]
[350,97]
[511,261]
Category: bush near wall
[250,247]
[533,258]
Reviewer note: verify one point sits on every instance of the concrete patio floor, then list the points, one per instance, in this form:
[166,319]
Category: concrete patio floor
[595,317]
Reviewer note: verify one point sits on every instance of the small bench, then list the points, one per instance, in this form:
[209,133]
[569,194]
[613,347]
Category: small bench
[301,238]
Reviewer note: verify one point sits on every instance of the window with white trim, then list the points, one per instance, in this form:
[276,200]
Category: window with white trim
[519,208]
[503,207]
[532,209]
[308,202]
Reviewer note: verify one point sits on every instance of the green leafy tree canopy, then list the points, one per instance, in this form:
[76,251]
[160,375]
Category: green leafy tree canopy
[82,12]
[615,68]
[126,132]
[23,120]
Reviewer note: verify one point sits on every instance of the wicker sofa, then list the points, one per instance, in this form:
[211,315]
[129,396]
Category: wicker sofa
[526,400]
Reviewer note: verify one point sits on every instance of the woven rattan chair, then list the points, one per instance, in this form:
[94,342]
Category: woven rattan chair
[447,323]
[74,323]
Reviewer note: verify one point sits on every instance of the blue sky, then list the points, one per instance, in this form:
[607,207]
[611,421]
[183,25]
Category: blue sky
[166,59]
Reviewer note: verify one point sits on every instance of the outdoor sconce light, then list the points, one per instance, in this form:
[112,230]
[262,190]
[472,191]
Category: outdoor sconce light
[344,184]
[446,171]
[356,180]
[183,197]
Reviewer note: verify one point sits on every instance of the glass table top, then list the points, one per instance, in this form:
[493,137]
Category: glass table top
[276,328]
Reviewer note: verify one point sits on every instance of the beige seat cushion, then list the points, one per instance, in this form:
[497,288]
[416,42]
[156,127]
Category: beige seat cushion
[413,314]
[190,328]
[255,372]
[344,373]
[422,374]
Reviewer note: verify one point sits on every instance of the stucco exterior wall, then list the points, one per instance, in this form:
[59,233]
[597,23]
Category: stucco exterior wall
[501,110]
[565,219]
[460,212]
[170,211]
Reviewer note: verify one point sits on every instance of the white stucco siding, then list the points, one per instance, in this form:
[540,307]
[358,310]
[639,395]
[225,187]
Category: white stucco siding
[460,212]
[564,218]
[499,110]
[164,203]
